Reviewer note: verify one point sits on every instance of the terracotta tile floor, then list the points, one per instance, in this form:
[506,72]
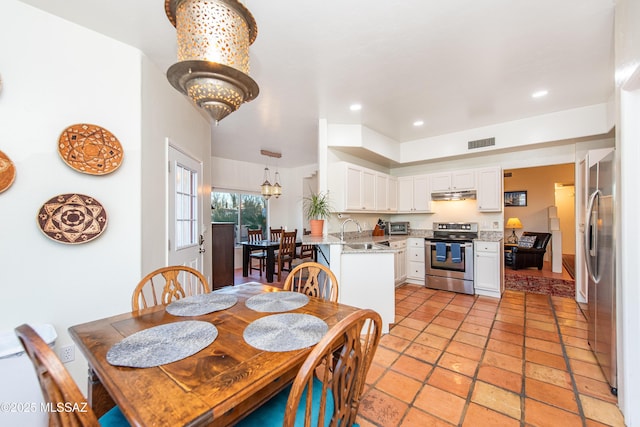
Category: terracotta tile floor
[453,359]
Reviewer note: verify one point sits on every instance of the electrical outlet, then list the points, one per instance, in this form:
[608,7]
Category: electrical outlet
[67,354]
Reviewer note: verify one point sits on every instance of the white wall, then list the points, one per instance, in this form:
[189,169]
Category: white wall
[55,74]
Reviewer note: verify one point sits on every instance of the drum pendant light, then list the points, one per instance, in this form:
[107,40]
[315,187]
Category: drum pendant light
[213,53]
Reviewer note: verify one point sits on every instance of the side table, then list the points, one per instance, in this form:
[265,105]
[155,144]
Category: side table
[508,253]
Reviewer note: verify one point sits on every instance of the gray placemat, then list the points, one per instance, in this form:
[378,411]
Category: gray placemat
[162,344]
[197,305]
[285,332]
[275,302]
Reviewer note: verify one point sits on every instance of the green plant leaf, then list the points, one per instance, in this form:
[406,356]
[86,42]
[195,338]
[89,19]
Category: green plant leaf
[317,206]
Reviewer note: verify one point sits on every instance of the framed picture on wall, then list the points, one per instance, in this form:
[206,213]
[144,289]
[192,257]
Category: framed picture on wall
[515,198]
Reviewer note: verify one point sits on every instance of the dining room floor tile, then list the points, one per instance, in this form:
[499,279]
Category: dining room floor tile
[474,361]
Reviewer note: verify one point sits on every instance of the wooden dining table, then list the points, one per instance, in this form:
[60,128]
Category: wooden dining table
[216,386]
[270,247]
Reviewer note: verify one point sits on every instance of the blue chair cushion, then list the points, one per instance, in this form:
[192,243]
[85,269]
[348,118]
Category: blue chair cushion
[272,412]
[113,418]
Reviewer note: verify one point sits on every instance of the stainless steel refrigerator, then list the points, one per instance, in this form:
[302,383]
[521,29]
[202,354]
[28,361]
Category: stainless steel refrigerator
[600,260]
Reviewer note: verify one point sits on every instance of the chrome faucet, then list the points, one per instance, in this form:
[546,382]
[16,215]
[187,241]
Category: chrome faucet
[343,224]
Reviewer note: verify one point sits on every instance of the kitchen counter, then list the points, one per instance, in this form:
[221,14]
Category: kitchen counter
[360,239]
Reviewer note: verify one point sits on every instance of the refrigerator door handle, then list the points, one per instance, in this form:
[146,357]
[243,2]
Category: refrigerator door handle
[591,238]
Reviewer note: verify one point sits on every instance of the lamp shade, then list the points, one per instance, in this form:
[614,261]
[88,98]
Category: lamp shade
[513,223]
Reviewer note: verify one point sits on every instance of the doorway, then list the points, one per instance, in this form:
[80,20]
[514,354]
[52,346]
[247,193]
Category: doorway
[565,199]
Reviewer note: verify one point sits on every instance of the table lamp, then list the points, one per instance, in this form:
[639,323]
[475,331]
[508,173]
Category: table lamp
[513,223]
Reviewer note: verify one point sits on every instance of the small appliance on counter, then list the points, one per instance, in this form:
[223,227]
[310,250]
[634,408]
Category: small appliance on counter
[393,228]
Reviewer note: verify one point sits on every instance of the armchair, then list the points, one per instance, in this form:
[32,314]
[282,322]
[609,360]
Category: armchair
[531,257]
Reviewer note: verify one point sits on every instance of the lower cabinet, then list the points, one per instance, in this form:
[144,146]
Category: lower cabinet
[222,254]
[415,260]
[488,269]
[400,261]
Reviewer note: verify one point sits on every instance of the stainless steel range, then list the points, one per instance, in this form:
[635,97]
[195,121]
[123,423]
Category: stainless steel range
[449,256]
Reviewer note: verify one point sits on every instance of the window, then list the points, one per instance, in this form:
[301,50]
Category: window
[186,194]
[243,209]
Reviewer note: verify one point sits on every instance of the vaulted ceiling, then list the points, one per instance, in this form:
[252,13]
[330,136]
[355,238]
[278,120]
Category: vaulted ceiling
[455,64]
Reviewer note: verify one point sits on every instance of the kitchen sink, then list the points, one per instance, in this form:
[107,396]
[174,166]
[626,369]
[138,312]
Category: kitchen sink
[361,246]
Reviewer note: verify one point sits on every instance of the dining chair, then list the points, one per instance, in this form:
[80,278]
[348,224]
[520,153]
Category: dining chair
[308,278]
[306,252]
[59,389]
[275,233]
[255,236]
[167,284]
[319,396]
[286,251]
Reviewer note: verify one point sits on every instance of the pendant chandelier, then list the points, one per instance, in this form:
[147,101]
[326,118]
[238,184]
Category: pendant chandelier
[267,189]
[213,53]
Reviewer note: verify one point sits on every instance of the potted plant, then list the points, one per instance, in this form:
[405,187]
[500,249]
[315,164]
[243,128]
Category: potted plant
[317,208]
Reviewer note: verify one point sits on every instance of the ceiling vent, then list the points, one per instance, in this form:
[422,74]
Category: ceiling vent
[479,143]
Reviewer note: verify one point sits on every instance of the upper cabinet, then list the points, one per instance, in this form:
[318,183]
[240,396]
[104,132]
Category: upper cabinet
[413,194]
[386,193]
[358,189]
[453,181]
[489,191]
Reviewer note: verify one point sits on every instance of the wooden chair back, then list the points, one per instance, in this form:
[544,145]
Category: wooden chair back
[275,234]
[286,251]
[313,279]
[307,251]
[347,350]
[58,387]
[168,284]
[255,235]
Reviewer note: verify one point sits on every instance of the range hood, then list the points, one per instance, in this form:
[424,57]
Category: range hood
[454,195]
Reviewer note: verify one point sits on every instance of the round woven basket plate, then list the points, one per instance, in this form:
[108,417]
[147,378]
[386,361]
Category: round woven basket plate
[7,172]
[285,332]
[72,218]
[275,302]
[90,149]
[162,344]
[197,305]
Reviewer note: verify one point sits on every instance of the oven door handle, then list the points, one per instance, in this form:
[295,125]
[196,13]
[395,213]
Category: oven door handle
[462,245]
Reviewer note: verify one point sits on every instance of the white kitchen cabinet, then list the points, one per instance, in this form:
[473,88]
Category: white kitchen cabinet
[453,181]
[488,269]
[415,260]
[413,194]
[489,189]
[386,191]
[393,193]
[359,188]
[400,261]
[355,188]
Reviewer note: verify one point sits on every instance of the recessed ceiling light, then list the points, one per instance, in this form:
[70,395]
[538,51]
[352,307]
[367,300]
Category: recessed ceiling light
[539,94]
[418,123]
[355,107]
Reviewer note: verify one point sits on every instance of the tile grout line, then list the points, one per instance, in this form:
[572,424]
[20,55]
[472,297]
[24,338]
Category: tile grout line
[574,384]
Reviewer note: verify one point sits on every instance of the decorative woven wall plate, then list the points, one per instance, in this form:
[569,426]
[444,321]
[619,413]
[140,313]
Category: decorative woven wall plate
[72,218]
[90,149]
[7,172]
